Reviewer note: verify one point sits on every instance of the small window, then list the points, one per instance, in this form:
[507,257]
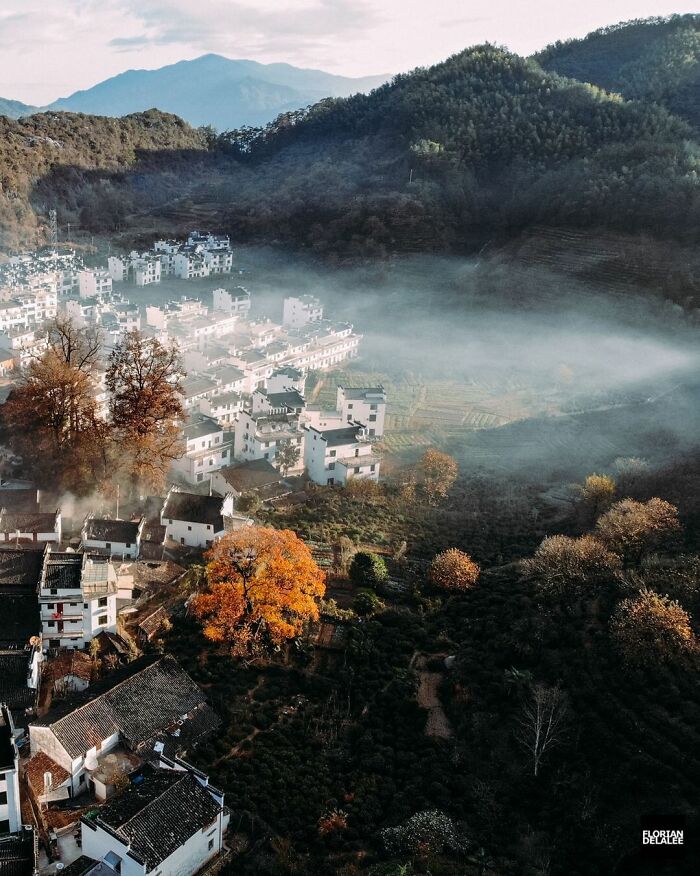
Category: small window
[51,623]
[3,799]
[189,529]
[85,605]
[372,467]
[54,591]
[332,453]
[211,844]
[102,620]
[373,418]
[357,469]
[50,604]
[102,601]
[331,466]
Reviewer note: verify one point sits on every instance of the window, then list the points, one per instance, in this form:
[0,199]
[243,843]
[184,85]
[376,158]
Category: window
[128,544]
[49,604]
[211,844]
[3,796]
[357,469]
[372,467]
[5,826]
[372,408]
[350,407]
[108,545]
[102,601]
[332,453]
[373,418]
[85,605]
[189,529]
[51,624]
[54,591]
[331,466]
[102,620]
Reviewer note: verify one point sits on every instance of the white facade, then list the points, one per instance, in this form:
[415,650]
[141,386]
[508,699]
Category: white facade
[10,812]
[337,456]
[207,449]
[77,599]
[232,301]
[259,436]
[94,283]
[365,405]
[36,528]
[300,311]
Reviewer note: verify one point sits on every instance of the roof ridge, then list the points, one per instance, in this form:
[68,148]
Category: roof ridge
[184,774]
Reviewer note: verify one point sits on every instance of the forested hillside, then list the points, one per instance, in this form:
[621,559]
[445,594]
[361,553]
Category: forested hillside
[67,148]
[477,148]
[651,60]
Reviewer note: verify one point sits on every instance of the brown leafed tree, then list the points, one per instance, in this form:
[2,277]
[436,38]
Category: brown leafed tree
[51,420]
[634,529]
[262,587]
[542,723]
[651,629]
[596,495]
[146,411]
[78,346]
[454,570]
[568,567]
[438,472]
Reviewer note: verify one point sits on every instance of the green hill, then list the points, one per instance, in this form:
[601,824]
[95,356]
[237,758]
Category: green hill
[49,159]
[655,59]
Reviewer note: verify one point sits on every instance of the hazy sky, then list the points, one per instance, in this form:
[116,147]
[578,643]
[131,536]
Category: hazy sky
[50,48]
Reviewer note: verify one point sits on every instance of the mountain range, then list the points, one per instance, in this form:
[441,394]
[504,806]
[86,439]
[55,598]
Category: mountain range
[209,90]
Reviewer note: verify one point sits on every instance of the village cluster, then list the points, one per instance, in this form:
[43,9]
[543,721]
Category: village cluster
[95,771]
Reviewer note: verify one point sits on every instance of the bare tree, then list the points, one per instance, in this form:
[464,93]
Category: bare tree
[542,722]
[77,346]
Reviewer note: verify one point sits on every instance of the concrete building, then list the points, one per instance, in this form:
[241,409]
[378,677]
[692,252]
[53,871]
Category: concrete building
[114,538]
[20,527]
[10,811]
[77,598]
[336,456]
[191,520]
[208,449]
[169,821]
[366,405]
[94,283]
[300,311]
[236,301]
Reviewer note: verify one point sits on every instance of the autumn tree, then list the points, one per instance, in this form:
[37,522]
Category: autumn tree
[541,723]
[262,587]
[596,495]
[51,418]
[438,472]
[568,567]
[145,408]
[633,529]
[287,456]
[650,628]
[454,570]
[368,570]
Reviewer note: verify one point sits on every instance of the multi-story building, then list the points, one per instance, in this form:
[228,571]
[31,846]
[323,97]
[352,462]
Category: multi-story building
[235,301]
[365,405]
[273,420]
[94,283]
[190,263]
[12,315]
[192,520]
[208,449]
[77,598]
[10,811]
[300,311]
[336,456]
[115,538]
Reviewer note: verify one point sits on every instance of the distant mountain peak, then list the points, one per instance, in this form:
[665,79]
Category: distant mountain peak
[212,89]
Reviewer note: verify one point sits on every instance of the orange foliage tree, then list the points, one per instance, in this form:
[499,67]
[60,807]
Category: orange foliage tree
[650,628]
[454,570]
[262,586]
[438,473]
[632,529]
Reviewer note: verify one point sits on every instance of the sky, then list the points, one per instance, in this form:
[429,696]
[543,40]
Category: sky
[50,49]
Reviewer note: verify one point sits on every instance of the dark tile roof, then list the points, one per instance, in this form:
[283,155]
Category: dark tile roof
[19,569]
[289,399]
[19,609]
[19,500]
[193,508]
[139,701]
[117,531]
[159,814]
[14,670]
[364,393]
[17,854]
[63,571]
[251,475]
[27,521]
[151,624]
[336,437]
[200,425]
[79,867]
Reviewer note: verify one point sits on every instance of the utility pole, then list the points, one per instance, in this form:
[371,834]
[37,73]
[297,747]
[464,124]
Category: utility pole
[117,501]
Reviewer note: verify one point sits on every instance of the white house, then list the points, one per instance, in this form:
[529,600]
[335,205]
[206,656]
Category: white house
[29,526]
[94,283]
[190,263]
[77,598]
[259,435]
[10,812]
[208,449]
[366,405]
[300,311]
[336,456]
[285,379]
[192,520]
[223,408]
[149,700]
[235,301]
[117,538]
[169,821]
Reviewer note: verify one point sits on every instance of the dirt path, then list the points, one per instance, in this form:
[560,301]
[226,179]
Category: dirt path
[438,723]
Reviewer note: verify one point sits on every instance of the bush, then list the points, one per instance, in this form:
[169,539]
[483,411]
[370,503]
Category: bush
[368,570]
